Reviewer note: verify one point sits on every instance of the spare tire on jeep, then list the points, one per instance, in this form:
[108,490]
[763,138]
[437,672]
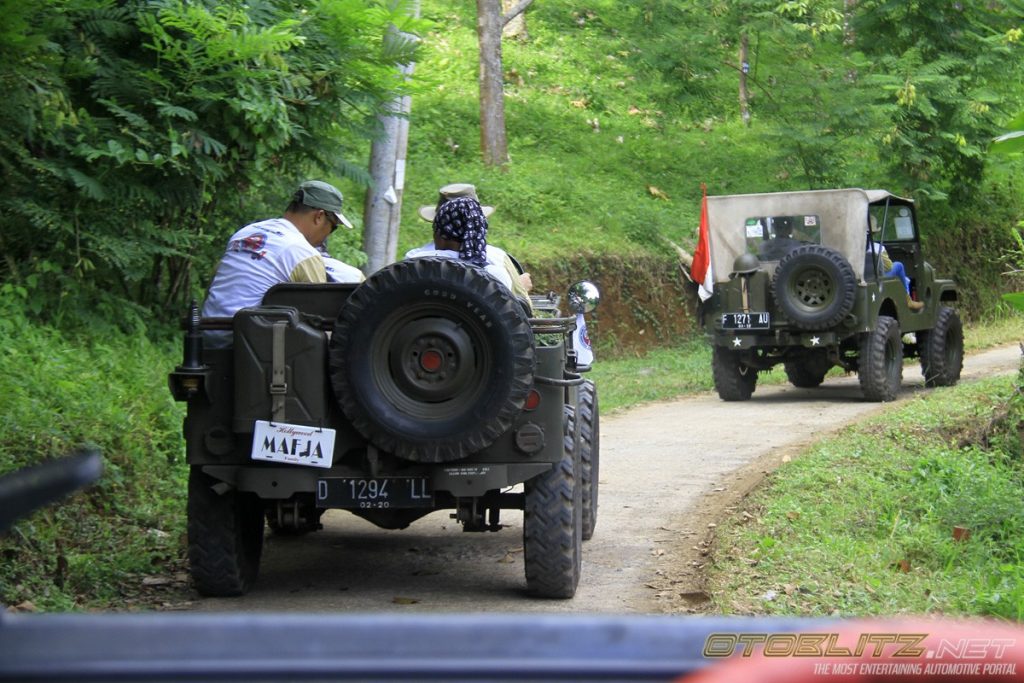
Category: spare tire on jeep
[814,286]
[430,359]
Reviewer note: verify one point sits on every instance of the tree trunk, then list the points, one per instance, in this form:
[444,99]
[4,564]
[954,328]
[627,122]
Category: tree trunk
[744,70]
[849,35]
[383,206]
[493,141]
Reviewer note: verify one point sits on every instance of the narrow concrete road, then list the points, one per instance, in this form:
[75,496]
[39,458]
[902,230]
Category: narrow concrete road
[662,466]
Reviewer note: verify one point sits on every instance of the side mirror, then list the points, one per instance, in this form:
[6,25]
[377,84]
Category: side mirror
[583,297]
[30,488]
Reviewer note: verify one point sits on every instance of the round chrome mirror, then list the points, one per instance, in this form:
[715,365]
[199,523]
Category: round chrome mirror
[583,297]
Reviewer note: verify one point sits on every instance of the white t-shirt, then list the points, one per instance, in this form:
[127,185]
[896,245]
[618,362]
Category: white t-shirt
[496,270]
[257,257]
[339,271]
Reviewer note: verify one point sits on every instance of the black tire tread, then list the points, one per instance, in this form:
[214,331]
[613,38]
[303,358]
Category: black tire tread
[733,380]
[809,371]
[553,523]
[935,344]
[590,451]
[879,381]
[225,537]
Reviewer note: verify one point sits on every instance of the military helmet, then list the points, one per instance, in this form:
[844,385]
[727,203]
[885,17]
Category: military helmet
[745,264]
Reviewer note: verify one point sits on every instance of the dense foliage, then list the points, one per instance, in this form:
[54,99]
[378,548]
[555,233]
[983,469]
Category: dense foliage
[135,136]
[130,132]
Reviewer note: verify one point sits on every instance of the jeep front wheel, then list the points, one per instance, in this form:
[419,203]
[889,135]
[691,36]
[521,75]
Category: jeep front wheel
[809,370]
[734,381]
[880,361]
[814,286]
[225,535]
[590,447]
[553,522]
[942,349]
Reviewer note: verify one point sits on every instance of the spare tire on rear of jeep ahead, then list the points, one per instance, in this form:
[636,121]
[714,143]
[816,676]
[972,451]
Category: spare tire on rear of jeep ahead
[431,359]
[814,286]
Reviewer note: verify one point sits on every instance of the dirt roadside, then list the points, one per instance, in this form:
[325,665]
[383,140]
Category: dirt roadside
[669,472]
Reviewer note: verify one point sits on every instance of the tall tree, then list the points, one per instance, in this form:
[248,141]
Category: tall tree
[749,19]
[744,70]
[490,21]
[943,70]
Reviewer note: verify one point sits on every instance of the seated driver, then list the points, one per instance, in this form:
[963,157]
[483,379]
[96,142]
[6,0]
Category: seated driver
[780,245]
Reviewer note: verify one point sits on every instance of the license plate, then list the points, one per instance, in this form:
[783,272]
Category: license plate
[292,444]
[746,321]
[374,494]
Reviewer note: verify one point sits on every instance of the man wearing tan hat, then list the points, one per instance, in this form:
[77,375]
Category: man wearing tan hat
[521,282]
[276,250]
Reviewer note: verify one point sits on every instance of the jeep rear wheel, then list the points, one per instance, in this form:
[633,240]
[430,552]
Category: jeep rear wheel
[942,349]
[880,361]
[553,522]
[225,536]
[814,286]
[734,381]
[809,370]
[590,447]
[431,359]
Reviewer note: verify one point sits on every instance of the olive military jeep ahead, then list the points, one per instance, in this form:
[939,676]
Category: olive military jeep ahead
[427,387]
[797,282]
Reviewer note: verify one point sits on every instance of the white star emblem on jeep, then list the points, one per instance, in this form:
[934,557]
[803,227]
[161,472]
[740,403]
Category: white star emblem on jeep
[736,341]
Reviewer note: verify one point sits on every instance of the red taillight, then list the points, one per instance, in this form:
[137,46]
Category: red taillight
[532,400]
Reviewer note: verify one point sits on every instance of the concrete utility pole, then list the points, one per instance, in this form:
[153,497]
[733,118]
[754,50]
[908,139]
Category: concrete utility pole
[382,212]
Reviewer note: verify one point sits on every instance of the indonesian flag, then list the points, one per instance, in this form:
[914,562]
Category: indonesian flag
[701,268]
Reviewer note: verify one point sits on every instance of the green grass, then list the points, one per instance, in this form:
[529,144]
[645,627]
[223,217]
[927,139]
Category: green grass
[882,541]
[59,393]
[1005,328]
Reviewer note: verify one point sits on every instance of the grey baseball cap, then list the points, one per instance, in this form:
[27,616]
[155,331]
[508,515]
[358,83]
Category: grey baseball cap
[321,195]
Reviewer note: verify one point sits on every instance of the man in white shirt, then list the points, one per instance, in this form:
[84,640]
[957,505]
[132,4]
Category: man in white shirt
[276,250]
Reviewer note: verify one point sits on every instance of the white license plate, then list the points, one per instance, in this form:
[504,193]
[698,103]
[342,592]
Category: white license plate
[293,444]
[747,321]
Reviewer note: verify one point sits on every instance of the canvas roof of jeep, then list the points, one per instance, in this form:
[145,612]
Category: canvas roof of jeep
[842,213]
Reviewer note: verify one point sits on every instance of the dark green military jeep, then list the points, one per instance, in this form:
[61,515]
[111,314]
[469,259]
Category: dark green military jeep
[427,387]
[800,279]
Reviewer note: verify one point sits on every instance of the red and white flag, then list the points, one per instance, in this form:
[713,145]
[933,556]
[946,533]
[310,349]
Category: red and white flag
[701,268]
